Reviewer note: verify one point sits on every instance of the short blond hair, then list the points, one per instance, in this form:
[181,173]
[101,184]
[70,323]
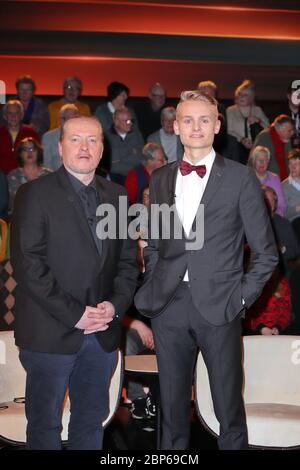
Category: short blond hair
[198,95]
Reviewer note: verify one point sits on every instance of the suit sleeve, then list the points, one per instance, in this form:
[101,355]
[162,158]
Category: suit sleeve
[125,281]
[259,234]
[29,259]
[151,250]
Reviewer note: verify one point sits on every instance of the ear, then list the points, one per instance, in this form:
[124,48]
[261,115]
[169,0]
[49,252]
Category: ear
[60,149]
[217,126]
[176,127]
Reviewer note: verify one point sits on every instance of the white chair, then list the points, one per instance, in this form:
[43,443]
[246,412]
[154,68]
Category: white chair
[12,390]
[271,391]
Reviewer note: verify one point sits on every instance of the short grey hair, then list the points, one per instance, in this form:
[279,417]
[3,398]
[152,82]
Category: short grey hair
[254,153]
[13,103]
[150,149]
[73,79]
[168,113]
[65,108]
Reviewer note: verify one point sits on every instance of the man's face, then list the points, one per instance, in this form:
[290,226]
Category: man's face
[168,125]
[123,122]
[294,167]
[196,124]
[25,91]
[157,97]
[285,131]
[71,91]
[13,115]
[82,145]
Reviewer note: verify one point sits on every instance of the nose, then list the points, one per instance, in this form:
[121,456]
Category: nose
[84,143]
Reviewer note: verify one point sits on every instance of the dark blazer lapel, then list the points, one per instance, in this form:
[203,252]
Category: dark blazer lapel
[105,198]
[213,184]
[171,184]
[74,201]
[214,180]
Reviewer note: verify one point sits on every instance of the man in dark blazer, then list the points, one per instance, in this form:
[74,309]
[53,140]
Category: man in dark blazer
[73,288]
[195,289]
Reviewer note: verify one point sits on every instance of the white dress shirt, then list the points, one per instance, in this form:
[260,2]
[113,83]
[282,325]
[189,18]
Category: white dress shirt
[189,191]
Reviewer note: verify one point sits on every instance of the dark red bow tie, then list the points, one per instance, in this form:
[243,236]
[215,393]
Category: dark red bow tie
[186,168]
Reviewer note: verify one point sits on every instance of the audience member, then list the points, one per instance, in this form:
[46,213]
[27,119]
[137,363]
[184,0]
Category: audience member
[291,190]
[272,312]
[125,146]
[72,88]
[166,136]
[210,87]
[12,133]
[259,159]
[50,140]
[117,94]
[277,138]
[148,113]
[36,112]
[138,178]
[245,119]
[29,155]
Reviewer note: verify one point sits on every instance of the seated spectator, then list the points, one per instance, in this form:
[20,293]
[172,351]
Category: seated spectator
[245,119]
[35,110]
[138,178]
[50,140]
[210,87]
[148,112]
[291,190]
[277,138]
[259,160]
[138,340]
[72,88]
[166,136]
[271,314]
[30,158]
[12,133]
[124,145]
[3,196]
[117,94]
[288,246]
[224,143]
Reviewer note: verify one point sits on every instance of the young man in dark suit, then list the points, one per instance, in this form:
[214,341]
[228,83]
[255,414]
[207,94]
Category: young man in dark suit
[73,287]
[195,289]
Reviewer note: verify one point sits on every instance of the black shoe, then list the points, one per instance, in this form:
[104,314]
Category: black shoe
[150,405]
[139,409]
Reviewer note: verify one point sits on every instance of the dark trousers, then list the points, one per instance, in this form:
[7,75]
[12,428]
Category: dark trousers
[87,373]
[178,332]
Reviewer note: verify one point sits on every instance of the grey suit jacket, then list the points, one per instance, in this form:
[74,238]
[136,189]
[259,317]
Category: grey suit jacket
[233,208]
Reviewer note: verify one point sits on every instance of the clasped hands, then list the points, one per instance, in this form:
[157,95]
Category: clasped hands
[96,318]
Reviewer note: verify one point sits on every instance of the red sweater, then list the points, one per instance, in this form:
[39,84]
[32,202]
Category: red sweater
[8,159]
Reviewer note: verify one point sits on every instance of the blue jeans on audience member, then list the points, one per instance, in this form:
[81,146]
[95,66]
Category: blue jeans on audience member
[87,373]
